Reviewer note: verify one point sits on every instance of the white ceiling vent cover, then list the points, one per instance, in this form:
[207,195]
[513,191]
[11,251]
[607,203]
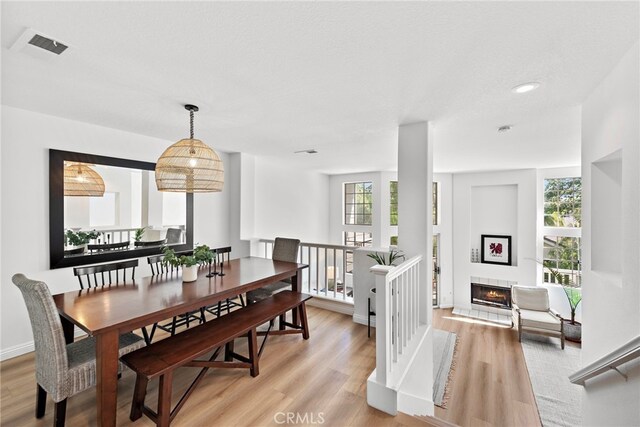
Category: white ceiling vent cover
[39,45]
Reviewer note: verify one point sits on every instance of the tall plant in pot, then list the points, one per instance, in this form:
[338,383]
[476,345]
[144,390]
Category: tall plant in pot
[392,259]
[573,329]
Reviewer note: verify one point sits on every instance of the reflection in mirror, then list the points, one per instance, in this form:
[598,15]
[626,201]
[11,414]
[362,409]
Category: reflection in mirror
[127,212]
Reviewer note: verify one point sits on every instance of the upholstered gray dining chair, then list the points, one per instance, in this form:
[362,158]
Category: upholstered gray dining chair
[62,370]
[283,250]
[174,235]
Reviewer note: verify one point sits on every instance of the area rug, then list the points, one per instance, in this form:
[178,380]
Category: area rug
[559,401]
[444,350]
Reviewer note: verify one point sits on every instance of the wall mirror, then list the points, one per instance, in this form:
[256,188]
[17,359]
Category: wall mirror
[104,209]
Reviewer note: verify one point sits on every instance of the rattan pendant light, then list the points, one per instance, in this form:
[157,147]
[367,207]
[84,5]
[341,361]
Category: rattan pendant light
[81,180]
[190,165]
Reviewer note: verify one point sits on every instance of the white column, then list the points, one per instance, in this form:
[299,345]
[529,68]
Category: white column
[415,213]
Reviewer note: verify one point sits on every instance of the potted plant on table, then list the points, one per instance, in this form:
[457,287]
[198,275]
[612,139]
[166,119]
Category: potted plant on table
[381,259]
[189,263]
[77,239]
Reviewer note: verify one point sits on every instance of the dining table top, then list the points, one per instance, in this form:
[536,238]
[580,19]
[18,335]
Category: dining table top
[140,302]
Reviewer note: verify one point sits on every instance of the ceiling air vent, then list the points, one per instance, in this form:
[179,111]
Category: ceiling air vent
[35,43]
[47,44]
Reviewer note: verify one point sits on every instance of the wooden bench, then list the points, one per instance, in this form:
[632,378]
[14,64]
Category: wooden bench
[162,358]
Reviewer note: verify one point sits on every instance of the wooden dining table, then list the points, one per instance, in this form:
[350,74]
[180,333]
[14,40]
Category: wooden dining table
[106,313]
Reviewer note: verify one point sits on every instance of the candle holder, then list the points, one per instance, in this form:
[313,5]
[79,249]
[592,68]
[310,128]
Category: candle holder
[221,269]
[214,273]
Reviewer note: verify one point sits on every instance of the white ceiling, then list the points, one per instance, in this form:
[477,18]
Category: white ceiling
[272,78]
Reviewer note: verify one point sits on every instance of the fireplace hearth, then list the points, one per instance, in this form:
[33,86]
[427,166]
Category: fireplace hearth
[492,296]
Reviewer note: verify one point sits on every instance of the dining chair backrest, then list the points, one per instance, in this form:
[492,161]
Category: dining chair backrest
[159,267]
[222,254]
[48,337]
[285,249]
[105,274]
[174,235]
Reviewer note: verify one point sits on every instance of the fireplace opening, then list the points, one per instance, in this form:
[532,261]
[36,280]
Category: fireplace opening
[492,296]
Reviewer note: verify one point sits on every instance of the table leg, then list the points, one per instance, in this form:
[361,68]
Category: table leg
[107,377]
[295,288]
[67,329]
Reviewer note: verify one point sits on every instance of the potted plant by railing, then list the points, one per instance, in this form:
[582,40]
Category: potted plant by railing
[139,233]
[189,263]
[77,239]
[572,328]
[381,259]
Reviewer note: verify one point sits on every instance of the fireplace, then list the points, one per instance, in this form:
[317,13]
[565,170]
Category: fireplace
[493,296]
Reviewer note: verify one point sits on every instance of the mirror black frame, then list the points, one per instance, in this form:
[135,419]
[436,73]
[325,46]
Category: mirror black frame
[56,211]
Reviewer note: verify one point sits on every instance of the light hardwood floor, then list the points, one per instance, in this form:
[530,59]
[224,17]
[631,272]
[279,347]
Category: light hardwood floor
[326,374]
[490,385]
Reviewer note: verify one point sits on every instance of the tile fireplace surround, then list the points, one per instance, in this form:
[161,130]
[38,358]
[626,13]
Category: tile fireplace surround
[490,300]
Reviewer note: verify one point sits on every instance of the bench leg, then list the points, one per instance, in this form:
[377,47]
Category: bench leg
[164,400]
[303,318]
[253,352]
[228,351]
[139,393]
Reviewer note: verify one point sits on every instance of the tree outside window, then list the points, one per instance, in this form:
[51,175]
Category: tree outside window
[562,221]
[563,202]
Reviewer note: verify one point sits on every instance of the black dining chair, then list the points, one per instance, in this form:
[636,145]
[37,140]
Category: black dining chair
[101,275]
[159,267]
[221,259]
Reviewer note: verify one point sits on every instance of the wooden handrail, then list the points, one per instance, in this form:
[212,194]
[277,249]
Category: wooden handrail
[608,362]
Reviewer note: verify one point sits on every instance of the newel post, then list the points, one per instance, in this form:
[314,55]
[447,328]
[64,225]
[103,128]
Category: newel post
[383,322]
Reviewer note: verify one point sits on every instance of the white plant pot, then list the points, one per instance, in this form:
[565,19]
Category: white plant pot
[372,297]
[190,274]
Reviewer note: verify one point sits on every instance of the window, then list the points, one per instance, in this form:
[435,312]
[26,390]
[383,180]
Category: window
[562,260]
[357,240]
[561,231]
[436,203]
[562,202]
[357,203]
[393,204]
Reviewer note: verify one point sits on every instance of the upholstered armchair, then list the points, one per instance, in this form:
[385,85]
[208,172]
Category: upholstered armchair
[531,313]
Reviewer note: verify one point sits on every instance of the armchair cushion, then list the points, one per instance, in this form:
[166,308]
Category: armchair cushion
[539,320]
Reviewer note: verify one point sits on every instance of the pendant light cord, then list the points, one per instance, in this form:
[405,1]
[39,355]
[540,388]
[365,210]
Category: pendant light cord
[191,123]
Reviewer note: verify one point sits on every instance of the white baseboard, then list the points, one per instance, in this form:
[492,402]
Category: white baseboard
[28,347]
[331,305]
[359,318]
[445,306]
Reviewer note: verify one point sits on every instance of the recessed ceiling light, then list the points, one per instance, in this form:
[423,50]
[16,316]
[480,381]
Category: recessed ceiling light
[309,151]
[504,128]
[526,87]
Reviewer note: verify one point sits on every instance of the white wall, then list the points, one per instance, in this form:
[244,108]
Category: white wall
[611,312]
[290,202]
[26,138]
